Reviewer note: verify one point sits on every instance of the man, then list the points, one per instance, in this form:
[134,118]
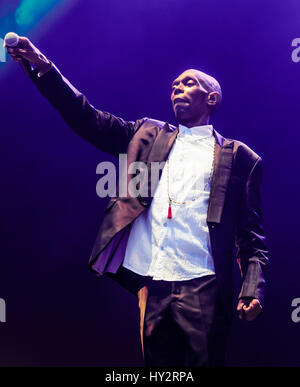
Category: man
[174,250]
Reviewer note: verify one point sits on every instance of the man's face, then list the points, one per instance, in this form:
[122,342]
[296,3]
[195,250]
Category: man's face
[189,98]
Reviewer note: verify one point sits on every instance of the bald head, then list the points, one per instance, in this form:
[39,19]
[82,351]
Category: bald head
[207,81]
[195,96]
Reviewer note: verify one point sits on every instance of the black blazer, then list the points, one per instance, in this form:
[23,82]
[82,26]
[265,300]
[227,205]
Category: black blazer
[234,213]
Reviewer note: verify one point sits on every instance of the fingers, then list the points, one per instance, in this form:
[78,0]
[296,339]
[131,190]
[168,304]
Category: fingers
[249,312]
[18,53]
[240,306]
[29,55]
[253,305]
[24,42]
[239,309]
[14,56]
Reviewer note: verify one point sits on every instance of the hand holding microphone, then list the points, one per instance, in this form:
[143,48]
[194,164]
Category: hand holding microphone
[25,53]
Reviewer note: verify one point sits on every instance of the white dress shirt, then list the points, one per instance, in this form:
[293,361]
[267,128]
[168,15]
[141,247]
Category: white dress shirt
[179,248]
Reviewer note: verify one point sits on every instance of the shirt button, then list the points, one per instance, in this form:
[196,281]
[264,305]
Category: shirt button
[165,224]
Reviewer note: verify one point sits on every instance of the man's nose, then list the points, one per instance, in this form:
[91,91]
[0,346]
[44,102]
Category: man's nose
[178,89]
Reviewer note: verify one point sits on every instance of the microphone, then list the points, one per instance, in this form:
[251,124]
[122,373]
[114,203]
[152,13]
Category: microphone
[11,39]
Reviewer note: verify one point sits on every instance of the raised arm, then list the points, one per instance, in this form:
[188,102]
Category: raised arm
[107,132]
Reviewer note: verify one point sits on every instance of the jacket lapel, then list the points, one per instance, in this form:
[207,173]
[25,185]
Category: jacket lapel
[163,143]
[221,175]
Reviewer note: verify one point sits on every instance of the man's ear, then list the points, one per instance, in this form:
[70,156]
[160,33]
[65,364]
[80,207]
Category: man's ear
[213,98]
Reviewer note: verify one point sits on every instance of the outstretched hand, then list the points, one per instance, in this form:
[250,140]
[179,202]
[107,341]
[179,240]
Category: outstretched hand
[26,50]
[249,310]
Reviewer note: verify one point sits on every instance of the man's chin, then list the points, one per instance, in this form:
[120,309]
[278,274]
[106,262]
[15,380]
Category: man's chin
[181,116]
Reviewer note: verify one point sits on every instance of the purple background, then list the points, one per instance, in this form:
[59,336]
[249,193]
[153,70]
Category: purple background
[124,55]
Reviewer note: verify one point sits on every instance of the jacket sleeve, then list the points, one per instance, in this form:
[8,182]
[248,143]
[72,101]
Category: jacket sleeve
[107,132]
[252,251]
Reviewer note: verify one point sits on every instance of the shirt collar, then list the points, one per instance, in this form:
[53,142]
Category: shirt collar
[202,131]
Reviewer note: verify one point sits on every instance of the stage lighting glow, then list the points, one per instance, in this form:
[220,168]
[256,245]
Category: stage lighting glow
[31,11]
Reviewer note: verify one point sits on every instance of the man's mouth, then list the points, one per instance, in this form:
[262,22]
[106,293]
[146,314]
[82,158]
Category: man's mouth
[179,100]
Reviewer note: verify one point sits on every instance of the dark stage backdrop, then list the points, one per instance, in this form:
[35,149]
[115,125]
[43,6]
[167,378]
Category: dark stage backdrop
[124,55]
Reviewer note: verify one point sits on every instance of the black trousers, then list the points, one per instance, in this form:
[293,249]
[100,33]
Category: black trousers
[182,322]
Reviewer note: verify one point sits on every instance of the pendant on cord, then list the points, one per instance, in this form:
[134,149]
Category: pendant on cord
[170,210]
